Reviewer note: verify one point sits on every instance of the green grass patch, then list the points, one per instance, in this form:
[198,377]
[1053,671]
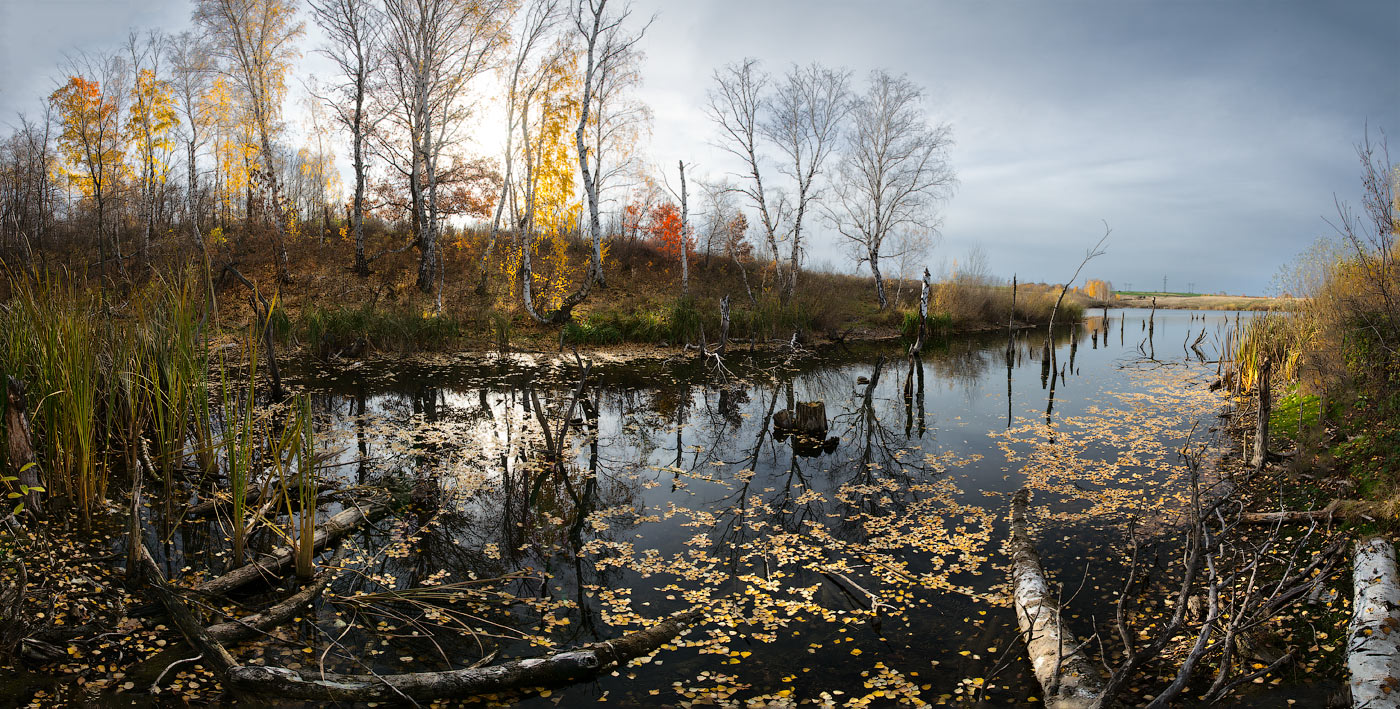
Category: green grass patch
[1294,413]
[936,324]
[338,327]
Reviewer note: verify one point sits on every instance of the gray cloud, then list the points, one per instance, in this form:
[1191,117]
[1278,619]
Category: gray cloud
[1205,134]
[1211,136]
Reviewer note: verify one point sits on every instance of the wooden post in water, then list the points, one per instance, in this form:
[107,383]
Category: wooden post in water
[1261,428]
[1011,321]
[918,345]
[723,324]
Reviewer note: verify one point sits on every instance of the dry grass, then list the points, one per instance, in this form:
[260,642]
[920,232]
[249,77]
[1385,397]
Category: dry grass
[1207,302]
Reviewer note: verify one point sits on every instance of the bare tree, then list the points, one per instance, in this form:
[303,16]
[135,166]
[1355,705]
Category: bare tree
[801,116]
[908,249]
[736,103]
[894,171]
[720,211]
[356,32]
[685,234]
[619,118]
[256,40]
[27,190]
[191,68]
[435,48]
[804,121]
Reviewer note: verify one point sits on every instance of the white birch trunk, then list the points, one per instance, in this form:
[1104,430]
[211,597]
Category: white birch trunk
[1067,677]
[1373,639]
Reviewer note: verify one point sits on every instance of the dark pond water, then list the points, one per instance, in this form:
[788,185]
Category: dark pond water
[678,492]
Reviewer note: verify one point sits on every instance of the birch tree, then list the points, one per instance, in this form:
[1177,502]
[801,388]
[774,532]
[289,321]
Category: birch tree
[735,104]
[522,74]
[801,116]
[255,39]
[435,48]
[606,37]
[804,122]
[354,29]
[190,68]
[893,173]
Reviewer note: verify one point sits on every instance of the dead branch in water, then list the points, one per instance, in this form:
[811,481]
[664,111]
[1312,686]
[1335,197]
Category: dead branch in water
[282,557]
[556,668]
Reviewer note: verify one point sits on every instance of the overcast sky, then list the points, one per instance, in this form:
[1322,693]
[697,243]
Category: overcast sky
[1211,136]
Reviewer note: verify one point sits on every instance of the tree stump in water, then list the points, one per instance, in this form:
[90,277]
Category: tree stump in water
[808,419]
[811,418]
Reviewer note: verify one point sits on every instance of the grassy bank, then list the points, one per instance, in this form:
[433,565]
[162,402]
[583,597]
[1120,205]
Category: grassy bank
[1184,301]
[1336,356]
[326,310]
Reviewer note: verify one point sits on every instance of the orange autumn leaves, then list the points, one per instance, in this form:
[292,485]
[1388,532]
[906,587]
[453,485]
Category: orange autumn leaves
[661,225]
[90,140]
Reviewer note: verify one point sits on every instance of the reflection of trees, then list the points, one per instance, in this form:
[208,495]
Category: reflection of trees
[871,454]
[469,463]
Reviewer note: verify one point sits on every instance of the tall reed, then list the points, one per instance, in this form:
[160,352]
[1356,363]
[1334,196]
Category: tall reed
[293,457]
[239,440]
[104,373]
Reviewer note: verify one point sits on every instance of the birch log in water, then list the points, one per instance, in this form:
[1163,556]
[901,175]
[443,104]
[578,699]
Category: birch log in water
[1067,677]
[1373,640]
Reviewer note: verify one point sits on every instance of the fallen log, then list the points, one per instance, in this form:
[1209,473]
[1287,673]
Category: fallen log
[249,626]
[282,557]
[1066,676]
[1373,639]
[1342,510]
[235,631]
[215,654]
[557,668]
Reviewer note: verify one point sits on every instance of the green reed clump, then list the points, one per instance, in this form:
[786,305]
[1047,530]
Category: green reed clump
[103,375]
[240,440]
[1279,337]
[936,323]
[295,452]
[584,331]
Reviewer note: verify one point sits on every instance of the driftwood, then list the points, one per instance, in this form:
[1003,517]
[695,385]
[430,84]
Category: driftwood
[1067,677]
[19,444]
[1373,639]
[1348,510]
[557,668]
[282,557]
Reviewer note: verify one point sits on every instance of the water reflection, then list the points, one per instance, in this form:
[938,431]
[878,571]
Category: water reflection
[675,488]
